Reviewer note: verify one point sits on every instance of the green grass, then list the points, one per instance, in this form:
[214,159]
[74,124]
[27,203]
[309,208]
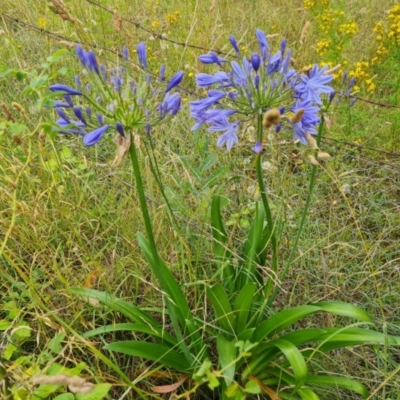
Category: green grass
[69,219]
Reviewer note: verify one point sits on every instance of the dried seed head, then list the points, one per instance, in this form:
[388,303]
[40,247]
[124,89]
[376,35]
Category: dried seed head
[117,21]
[75,383]
[20,109]
[123,144]
[271,117]
[311,141]
[304,32]
[7,112]
[60,379]
[323,156]
[60,8]
[297,117]
[333,70]
[70,45]
[313,160]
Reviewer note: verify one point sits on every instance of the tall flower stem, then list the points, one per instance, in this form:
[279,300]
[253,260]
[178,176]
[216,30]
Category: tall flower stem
[267,209]
[303,218]
[158,265]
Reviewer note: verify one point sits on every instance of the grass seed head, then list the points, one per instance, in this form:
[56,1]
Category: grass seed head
[7,112]
[304,32]
[60,8]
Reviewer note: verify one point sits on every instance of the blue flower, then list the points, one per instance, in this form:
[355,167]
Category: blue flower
[125,53]
[229,137]
[255,61]
[175,81]
[79,114]
[120,129]
[210,117]
[212,59]
[95,136]
[308,121]
[262,39]
[142,55]
[234,44]
[65,90]
[314,84]
[241,74]
[162,73]
[257,147]
[204,80]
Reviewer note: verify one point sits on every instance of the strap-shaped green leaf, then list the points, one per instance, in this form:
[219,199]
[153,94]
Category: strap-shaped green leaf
[129,310]
[220,302]
[173,290]
[154,352]
[218,229]
[307,394]
[345,383]
[155,331]
[243,304]
[282,320]
[346,309]
[227,355]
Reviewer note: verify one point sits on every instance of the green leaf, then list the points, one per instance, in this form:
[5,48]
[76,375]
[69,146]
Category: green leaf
[282,320]
[98,393]
[308,394]
[9,351]
[346,309]
[55,343]
[65,396]
[150,351]
[153,331]
[343,337]
[345,383]
[66,153]
[127,309]
[295,358]
[220,302]
[173,290]
[218,231]
[4,324]
[56,56]
[252,387]
[227,354]
[243,305]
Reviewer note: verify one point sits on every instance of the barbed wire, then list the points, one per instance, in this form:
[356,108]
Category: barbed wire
[64,39]
[155,34]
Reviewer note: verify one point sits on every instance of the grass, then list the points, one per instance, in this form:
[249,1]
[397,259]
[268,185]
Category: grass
[69,219]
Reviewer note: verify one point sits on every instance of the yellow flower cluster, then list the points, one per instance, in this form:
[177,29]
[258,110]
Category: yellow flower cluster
[362,74]
[328,19]
[309,4]
[42,22]
[323,45]
[172,18]
[155,24]
[349,28]
[394,23]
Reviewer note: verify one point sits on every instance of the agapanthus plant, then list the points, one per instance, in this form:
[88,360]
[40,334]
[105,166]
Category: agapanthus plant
[113,99]
[263,87]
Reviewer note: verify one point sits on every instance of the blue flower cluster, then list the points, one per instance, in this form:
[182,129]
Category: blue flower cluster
[113,99]
[264,84]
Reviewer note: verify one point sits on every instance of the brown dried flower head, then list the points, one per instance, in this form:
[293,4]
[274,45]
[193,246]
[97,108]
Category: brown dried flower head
[297,117]
[271,117]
